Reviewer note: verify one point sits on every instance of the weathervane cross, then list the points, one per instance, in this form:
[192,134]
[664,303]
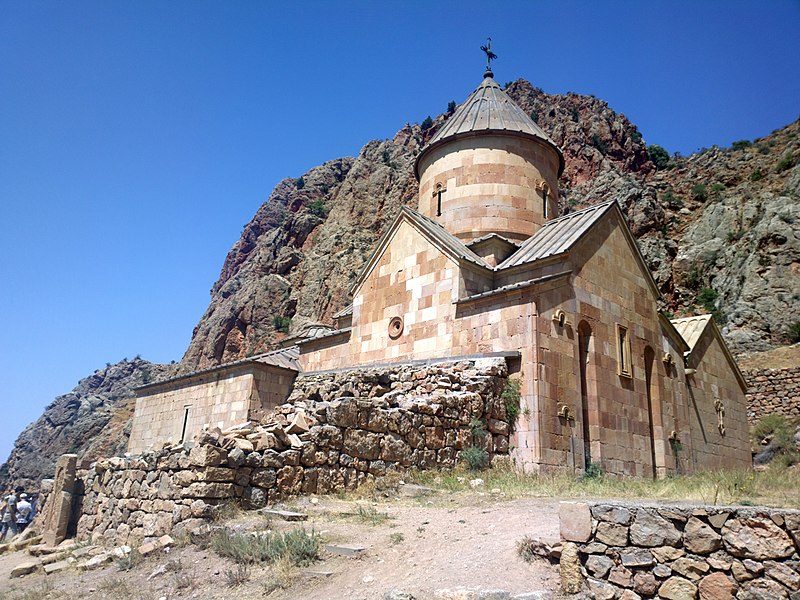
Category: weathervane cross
[490,56]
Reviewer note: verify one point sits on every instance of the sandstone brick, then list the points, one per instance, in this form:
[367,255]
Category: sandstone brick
[576,521]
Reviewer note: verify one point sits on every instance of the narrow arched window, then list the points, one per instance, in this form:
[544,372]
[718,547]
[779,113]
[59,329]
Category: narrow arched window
[439,190]
[543,187]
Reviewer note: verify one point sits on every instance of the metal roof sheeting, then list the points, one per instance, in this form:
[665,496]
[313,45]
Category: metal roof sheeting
[489,108]
[286,358]
[348,310]
[556,236]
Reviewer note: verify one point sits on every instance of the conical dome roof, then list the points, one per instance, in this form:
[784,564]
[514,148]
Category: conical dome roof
[488,110]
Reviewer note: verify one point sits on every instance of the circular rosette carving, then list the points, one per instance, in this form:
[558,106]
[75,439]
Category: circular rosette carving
[395,327]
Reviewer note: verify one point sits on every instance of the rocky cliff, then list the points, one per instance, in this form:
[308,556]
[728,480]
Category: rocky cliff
[93,420]
[720,229]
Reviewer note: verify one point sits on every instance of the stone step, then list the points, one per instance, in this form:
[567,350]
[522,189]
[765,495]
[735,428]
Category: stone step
[285,515]
[345,550]
[25,568]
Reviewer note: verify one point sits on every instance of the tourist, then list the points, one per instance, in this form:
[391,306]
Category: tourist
[24,509]
[9,520]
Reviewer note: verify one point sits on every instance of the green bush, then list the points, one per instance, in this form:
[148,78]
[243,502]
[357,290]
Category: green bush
[658,156]
[476,458]
[776,427]
[707,297]
[693,279]
[427,123]
[317,207]
[598,143]
[636,136]
[297,546]
[741,144]
[671,200]
[756,175]
[576,116]
[451,107]
[593,471]
[299,183]
[534,116]
[511,399]
[281,323]
[787,162]
[699,192]
[794,332]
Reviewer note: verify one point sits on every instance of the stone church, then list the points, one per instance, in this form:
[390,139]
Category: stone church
[485,267]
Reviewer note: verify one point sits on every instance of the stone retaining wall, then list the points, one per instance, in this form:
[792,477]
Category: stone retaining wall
[678,552]
[337,431]
[773,391]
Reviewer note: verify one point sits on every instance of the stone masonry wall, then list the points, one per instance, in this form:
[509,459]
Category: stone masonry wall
[679,552]
[337,431]
[773,391]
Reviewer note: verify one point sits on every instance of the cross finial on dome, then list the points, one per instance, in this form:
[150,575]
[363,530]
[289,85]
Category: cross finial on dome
[490,56]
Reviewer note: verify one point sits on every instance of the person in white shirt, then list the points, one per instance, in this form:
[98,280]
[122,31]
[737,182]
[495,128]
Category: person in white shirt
[23,512]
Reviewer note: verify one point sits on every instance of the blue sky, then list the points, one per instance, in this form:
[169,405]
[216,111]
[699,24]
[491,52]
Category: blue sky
[137,138]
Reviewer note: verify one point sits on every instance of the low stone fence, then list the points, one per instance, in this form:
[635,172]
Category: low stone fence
[773,391]
[679,552]
[338,430]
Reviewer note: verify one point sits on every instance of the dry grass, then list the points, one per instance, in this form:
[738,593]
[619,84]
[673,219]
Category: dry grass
[775,487]
[779,358]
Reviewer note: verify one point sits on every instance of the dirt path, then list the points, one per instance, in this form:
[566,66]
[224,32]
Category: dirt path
[415,545]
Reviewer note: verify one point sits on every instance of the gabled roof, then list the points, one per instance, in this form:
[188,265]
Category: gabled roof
[488,110]
[557,236]
[560,235]
[692,329]
[284,358]
[435,233]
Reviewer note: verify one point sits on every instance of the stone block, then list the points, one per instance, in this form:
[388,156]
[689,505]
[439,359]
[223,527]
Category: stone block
[601,590]
[345,550]
[612,514]
[575,520]
[650,530]
[677,588]
[645,583]
[690,568]
[757,538]
[700,538]
[207,456]
[216,474]
[25,568]
[620,576]
[58,566]
[636,558]
[210,490]
[717,586]
[58,509]
[599,565]
[611,534]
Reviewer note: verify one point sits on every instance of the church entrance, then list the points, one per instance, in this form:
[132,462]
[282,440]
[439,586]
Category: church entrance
[584,357]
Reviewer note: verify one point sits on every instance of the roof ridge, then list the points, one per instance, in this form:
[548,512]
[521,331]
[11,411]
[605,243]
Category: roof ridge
[579,212]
